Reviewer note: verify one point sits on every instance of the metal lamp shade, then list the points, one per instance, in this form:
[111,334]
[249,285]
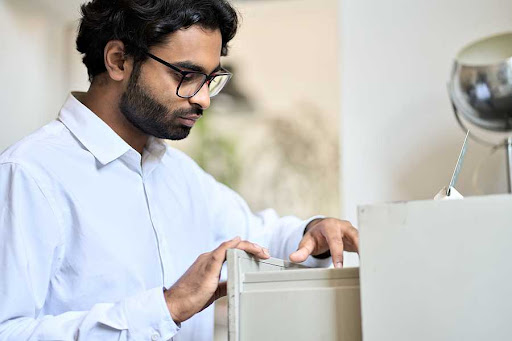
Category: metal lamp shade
[481,83]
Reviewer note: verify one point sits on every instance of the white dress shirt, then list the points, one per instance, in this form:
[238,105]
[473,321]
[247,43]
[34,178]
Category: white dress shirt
[91,232]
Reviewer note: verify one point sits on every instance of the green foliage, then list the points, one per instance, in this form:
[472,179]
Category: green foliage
[216,153]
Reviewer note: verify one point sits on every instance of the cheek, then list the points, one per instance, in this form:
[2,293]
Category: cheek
[165,94]
[161,85]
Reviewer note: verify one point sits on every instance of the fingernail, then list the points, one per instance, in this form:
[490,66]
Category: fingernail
[236,238]
[339,265]
[266,252]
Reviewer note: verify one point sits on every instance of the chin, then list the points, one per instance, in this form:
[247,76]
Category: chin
[174,134]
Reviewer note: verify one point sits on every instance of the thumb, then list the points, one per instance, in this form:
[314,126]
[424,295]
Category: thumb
[219,254]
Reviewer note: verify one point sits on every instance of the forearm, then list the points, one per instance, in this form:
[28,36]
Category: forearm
[135,318]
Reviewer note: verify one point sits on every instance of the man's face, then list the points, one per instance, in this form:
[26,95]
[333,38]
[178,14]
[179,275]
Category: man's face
[150,102]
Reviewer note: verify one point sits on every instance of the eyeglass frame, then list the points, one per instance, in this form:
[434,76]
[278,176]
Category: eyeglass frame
[184,73]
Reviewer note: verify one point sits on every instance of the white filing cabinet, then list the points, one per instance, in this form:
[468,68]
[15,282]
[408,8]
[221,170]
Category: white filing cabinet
[299,304]
[430,270]
[437,270]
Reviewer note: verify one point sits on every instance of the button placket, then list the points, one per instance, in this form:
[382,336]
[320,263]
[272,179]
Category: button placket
[158,236]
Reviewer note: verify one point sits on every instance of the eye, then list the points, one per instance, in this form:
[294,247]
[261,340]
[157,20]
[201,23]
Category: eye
[193,77]
[176,75]
[189,77]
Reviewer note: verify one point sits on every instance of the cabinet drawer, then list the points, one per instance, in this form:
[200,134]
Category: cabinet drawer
[276,300]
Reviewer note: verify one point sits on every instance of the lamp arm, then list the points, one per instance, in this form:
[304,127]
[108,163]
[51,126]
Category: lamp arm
[465,129]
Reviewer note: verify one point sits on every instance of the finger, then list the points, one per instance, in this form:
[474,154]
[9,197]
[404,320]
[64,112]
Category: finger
[352,235]
[254,249]
[335,242]
[219,254]
[222,290]
[306,247]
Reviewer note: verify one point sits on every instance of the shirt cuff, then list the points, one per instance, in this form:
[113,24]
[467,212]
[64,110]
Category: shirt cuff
[148,316]
[294,241]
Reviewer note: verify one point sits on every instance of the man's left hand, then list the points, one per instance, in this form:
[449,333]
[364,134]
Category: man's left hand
[324,235]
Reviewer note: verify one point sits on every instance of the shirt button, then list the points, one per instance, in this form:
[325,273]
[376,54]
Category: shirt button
[155,337]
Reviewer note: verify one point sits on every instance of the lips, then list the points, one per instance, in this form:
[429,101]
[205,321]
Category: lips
[194,117]
[189,120]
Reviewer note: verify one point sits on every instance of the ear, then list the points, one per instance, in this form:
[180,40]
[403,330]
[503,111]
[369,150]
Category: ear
[116,63]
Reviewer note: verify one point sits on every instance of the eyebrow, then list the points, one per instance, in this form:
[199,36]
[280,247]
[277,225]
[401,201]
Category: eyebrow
[194,67]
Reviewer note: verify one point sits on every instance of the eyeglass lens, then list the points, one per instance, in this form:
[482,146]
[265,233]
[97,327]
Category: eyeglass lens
[217,84]
[192,83]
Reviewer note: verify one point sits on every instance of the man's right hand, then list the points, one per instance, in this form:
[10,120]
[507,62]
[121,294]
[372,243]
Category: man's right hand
[199,286]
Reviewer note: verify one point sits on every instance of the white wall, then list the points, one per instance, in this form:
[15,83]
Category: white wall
[284,59]
[399,138]
[32,76]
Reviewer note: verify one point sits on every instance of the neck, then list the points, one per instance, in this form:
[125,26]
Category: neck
[103,100]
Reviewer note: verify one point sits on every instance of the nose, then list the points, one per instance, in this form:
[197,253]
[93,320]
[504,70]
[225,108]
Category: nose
[202,98]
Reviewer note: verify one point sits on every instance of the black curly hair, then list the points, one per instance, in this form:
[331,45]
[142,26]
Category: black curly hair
[141,24]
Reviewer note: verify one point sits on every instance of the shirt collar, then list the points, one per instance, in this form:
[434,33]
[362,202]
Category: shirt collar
[92,131]
[97,136]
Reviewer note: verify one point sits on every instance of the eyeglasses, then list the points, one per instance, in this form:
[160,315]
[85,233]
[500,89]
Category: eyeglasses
[192,81]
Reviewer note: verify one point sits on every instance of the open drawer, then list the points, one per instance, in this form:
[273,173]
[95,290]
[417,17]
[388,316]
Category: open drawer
[276,300]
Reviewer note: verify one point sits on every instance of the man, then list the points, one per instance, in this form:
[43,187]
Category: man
[100,221]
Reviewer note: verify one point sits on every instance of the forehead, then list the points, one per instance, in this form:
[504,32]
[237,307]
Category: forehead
[193,44]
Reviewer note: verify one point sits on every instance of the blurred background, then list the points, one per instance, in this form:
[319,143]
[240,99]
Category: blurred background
[334,104]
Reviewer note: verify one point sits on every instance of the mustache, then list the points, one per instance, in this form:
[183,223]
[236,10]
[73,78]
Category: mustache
[188,112]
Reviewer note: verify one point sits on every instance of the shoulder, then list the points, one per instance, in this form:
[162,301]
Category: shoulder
[177,158]
[182,166]
[38,148]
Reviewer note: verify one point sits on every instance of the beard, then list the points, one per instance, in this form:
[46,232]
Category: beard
[149,115]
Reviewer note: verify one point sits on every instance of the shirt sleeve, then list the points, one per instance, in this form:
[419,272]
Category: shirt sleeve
[233,217]
[31,249]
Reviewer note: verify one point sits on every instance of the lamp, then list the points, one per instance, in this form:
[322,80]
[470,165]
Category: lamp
[480,89]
